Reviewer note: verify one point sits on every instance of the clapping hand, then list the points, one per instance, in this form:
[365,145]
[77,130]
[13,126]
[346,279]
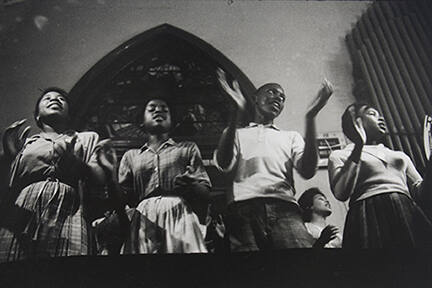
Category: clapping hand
[321,99]
[70,156]
[357,122]
[107,157]
[13,141]
[235,92]
[184,180]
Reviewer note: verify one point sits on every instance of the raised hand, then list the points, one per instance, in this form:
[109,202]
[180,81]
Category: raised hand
[357,122]
[321,99]
[235,92]
[13,141]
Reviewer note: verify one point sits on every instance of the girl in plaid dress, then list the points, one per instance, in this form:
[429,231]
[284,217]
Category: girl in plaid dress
[42,215]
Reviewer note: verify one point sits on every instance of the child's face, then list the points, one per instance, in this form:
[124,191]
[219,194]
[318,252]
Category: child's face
[157,117]
[321,206]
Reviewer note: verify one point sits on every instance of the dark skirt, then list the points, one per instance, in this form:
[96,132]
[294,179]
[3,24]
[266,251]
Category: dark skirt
[391,220]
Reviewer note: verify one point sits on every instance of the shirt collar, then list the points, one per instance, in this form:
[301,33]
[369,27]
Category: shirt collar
[40,135]
[253,124]
[170,142]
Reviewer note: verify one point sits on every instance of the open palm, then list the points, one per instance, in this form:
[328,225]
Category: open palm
[235,92]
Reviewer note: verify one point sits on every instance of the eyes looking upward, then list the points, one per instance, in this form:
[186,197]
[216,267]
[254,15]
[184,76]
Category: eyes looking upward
[275,93]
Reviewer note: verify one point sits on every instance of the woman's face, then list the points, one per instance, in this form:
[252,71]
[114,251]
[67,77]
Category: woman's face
[53,104]
[321,206]
[373,123]
[157,117]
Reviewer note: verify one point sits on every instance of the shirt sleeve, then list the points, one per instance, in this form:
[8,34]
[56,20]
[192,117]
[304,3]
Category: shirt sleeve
[297,148]
[197,168]
[89,141]
[234,159]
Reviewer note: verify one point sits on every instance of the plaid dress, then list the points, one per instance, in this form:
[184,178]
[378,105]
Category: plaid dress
[42,215]
[161,223]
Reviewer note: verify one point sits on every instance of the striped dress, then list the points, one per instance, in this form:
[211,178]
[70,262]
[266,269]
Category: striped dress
[162,223]
[42,215]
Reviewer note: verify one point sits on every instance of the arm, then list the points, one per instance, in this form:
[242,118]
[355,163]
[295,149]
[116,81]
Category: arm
[343,174]
[125,180]
[13,141]
[424,195]
[194,183]
[309,160]
[224,154]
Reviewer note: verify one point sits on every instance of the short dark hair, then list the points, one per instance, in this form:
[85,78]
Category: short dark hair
[347,127]
[61,91]
[306,201]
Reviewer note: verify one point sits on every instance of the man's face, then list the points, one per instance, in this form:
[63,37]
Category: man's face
[270,100]
[157,117]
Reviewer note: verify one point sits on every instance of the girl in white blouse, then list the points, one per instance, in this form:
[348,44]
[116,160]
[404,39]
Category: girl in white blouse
[380,183]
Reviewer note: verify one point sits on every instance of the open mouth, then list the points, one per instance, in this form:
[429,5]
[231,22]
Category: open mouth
[276,106]
[158,118]
[382,126]
[55,105]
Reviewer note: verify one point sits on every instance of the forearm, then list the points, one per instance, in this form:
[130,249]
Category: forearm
[421,188]
[309,159]
[225,148]
[344,182]
[201,191]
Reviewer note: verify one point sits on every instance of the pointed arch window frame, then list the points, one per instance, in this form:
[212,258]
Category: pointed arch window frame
[94,80]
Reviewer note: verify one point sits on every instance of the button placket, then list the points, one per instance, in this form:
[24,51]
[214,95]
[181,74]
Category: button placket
[156,169]
[260,133]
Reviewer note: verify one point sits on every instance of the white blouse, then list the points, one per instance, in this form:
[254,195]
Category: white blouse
[380,170]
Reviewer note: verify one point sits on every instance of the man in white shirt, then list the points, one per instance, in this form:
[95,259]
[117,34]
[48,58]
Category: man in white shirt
[263,213]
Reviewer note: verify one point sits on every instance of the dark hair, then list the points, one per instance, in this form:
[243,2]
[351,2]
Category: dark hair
[43,93]
[306,201]
[347,125]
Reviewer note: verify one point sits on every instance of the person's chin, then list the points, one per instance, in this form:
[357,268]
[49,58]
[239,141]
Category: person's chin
[327,212]
[157,129]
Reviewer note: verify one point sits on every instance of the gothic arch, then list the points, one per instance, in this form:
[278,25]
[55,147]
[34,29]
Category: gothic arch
[105,69]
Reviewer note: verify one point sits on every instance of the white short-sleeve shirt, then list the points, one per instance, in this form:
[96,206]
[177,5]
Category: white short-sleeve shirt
[263,161]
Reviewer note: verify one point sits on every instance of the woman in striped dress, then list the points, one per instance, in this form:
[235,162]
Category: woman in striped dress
[164,181]
[381,185]
[42,214]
